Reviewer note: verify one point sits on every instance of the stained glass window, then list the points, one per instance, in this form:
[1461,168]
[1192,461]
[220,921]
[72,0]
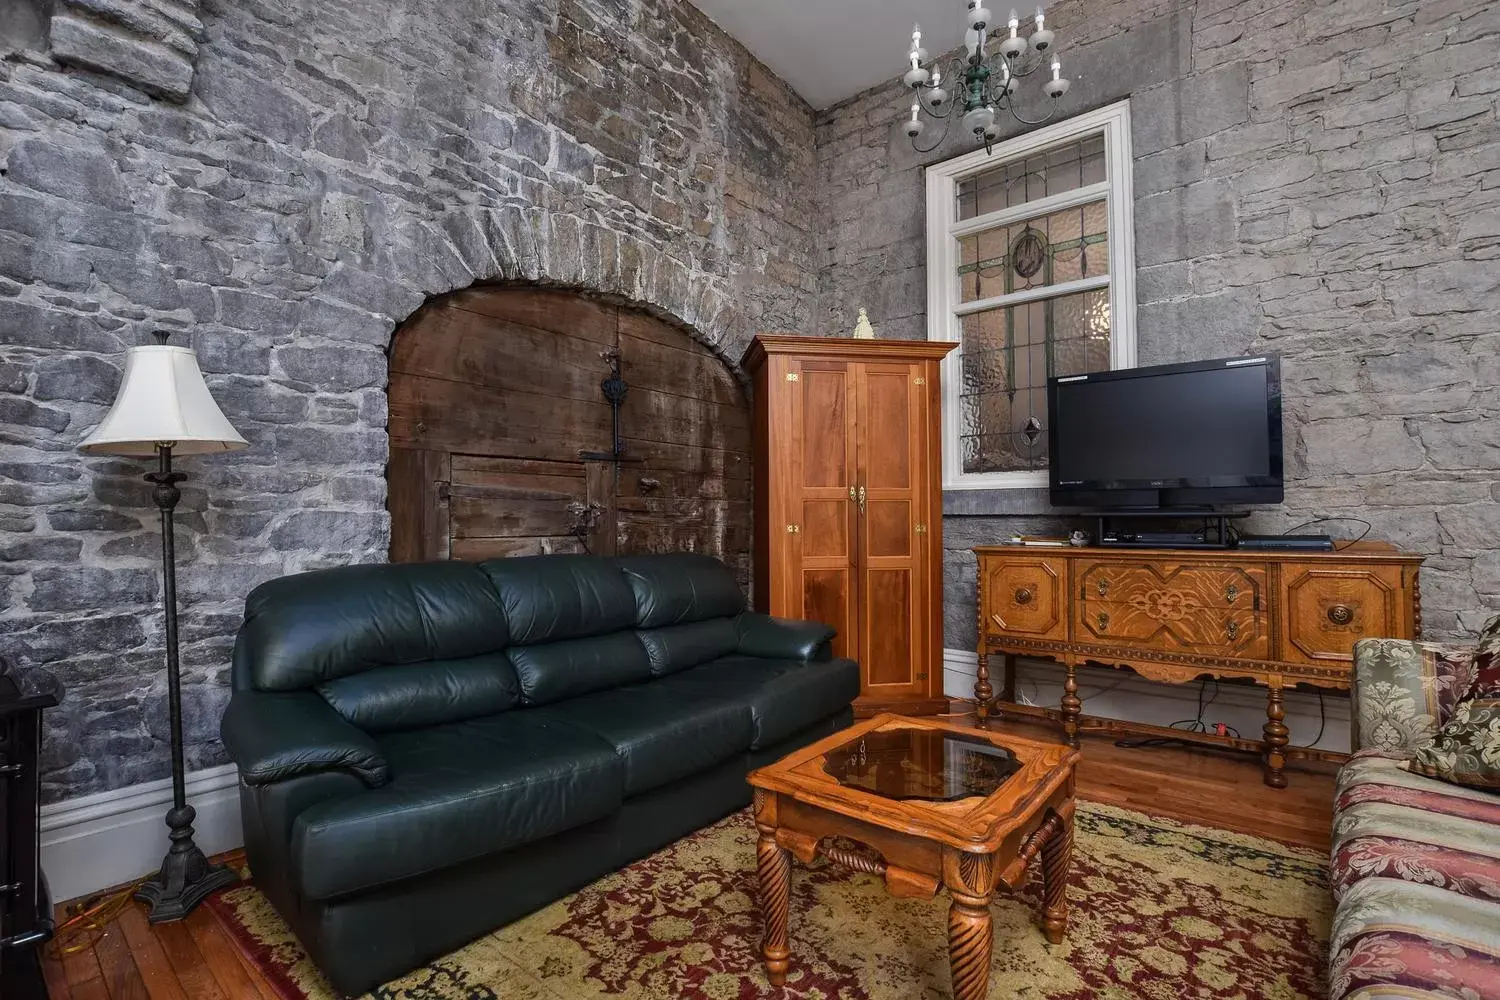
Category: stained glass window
[1031,250]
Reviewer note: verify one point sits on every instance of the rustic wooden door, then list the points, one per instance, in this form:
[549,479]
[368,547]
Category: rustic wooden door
[502,440]
[821,536]
[892,494]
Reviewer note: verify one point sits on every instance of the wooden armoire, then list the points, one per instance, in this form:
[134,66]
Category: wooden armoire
[849,505]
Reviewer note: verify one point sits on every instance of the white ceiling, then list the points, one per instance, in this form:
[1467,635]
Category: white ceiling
[832,49]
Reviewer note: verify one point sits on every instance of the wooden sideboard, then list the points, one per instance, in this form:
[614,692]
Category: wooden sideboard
[1276,618]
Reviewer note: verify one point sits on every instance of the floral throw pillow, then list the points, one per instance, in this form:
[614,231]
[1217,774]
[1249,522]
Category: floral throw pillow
[1466,751]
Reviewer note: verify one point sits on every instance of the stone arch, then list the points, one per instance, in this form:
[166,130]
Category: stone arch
[536,247]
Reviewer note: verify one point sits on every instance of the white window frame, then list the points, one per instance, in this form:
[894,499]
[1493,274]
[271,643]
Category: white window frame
[945,308]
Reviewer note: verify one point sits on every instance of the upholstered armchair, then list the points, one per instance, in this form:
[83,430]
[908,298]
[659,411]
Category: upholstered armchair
[1404,690]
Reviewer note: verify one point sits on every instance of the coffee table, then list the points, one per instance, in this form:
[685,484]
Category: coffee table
[939,805]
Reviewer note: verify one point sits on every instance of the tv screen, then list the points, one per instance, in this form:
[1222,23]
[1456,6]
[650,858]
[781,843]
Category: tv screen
[1187,435]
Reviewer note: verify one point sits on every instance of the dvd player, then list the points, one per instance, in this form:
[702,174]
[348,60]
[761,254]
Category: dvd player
[1155,537]
[1287,543]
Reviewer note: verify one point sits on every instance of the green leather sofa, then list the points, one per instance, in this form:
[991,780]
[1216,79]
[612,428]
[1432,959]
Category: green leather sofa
[430,751]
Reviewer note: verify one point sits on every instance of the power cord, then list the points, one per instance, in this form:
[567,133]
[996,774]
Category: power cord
[1194,725]
[1325,520]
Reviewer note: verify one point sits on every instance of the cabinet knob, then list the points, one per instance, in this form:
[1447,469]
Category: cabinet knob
[1341,614]
[1023,595]
[1103,620]
[1103,587]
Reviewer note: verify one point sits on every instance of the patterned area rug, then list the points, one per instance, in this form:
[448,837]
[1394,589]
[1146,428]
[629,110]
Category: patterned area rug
[1160,911]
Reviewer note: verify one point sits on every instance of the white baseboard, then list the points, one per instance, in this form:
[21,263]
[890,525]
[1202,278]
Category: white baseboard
[107,839]
[1120,694]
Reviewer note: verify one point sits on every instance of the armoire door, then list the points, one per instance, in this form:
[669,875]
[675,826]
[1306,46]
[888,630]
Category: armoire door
[890,413]
[821,510]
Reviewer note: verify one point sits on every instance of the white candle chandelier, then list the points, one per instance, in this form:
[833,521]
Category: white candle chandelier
[988,83]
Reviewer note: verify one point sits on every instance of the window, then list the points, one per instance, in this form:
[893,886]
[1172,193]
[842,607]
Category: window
[1031,268]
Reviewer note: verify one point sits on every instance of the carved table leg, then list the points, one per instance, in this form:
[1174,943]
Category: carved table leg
[1276,734]
[1072,705]
[1057,858]
[775,904]
[971,931]
[983,693]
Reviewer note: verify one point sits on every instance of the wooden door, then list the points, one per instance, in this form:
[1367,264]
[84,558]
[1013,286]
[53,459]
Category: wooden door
[1328,607]
[890,413]
[821,529]
[502,439]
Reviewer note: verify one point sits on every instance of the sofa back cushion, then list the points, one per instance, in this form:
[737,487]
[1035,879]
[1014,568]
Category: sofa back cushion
[679,588]
[552,671]
[388,646]
[418,695]
[677,647]
[550,598]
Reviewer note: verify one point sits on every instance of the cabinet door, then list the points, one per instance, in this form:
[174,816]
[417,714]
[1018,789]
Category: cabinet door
[820,529]
[1328,608]
[892,421]
[1025,595]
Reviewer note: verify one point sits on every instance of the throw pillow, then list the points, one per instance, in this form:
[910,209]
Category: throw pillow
[1466,751]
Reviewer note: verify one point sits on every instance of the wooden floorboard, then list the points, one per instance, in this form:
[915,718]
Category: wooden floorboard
[197,960]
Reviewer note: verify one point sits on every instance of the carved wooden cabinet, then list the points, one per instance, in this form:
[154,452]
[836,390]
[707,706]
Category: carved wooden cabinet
[1277,618]
[848,504]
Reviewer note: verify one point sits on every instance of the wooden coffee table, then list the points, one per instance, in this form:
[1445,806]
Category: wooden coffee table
[940,804]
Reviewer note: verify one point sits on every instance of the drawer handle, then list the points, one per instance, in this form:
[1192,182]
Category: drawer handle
[1023,595]
[1232,629]
[1340,614]
[1231,592]
[1103,587]
[1103,620]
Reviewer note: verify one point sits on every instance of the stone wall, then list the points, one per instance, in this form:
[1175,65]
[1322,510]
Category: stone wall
[282,182]
[1319,178]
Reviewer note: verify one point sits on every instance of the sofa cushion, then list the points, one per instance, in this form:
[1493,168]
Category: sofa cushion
[547,598]
[676,647]
[1466,751]
[312,627]
[681,587]
[413,695]
[782,696]
[660,734]
[556,670]
[1389,823]
[456,792]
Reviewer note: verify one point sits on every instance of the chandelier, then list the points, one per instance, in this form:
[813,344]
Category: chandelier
[988,82]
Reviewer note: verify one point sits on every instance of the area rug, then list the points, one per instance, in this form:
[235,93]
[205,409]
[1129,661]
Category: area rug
[1161,910]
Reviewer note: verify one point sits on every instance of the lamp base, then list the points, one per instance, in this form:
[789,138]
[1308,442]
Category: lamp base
[186,877]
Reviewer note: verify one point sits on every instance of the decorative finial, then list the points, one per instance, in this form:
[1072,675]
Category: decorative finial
[863,330]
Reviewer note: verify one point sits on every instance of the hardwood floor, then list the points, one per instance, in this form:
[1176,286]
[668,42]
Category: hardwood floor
[196,960]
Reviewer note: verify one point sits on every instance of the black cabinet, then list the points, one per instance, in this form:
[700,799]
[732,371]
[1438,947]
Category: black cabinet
[25,906]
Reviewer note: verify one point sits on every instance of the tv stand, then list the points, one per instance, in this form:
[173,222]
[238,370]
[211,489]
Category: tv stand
[1277,618]
[1214,537]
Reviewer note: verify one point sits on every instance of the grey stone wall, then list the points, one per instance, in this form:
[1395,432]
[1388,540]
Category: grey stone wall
[1316,178]
[319,169]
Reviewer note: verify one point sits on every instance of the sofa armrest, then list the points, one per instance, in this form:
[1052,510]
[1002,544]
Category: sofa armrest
[273,736]
[1403,691]
[783,638]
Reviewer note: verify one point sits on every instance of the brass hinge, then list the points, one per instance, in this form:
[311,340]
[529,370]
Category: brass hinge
[921,529]
[793,529]
[793,377]
[919,380]
[922,676]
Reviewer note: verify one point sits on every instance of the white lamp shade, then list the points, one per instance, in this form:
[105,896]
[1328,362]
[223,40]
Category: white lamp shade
[162,400]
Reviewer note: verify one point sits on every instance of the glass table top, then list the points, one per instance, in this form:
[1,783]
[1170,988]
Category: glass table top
[921,764]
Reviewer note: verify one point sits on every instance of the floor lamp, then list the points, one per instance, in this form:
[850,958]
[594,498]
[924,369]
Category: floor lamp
[163,407]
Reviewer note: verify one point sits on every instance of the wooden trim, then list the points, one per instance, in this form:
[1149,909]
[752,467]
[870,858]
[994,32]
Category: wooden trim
[842,348]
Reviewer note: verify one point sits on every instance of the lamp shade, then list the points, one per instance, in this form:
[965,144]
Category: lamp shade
[162,400]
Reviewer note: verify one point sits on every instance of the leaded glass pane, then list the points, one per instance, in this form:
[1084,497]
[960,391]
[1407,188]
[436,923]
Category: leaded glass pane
[1067,245]
[1008,355]
[1049,172]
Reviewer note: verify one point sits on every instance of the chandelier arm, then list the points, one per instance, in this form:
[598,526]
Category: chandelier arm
[942,138]
[1027,121]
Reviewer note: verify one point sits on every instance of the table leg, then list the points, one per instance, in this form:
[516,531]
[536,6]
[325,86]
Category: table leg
[1276,738]
[1072,705]
[775,903]
[971,929]
[1057,858]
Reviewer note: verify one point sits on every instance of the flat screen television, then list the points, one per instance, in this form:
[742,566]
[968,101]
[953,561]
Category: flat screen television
[1191,435]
